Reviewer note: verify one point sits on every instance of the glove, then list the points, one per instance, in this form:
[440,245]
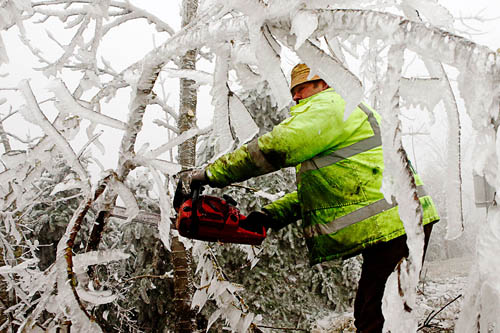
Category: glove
[198,178]
[255,221]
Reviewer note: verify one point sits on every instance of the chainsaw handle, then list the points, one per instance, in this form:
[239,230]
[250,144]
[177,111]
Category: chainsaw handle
[196,188]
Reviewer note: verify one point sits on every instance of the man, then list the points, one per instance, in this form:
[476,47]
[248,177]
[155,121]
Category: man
[339,175]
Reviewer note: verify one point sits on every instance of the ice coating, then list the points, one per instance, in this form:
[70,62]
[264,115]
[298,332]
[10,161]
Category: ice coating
[242,122]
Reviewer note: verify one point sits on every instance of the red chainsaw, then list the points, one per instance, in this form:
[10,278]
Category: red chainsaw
[211,219]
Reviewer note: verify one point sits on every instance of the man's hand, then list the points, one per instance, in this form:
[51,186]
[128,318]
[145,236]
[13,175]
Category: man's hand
[255,221]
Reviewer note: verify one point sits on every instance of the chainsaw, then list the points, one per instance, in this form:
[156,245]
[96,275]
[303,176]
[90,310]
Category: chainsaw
[211,219]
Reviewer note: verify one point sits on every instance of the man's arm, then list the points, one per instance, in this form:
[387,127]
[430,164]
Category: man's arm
[309,132]
[283,211]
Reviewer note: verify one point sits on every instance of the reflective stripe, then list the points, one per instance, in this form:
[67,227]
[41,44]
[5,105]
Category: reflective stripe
[374,141]
[355,217]
[258,157]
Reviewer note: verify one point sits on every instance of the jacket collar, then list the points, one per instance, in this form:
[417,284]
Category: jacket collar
[308,99]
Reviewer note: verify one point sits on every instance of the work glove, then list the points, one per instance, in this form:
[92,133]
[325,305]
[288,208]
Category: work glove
[256,220]
[198,178]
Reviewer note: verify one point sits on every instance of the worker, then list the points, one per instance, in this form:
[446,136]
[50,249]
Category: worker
[339,167]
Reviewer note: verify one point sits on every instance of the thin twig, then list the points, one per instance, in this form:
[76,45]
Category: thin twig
[164,276]
[244,187]
[433,314]
[283,328]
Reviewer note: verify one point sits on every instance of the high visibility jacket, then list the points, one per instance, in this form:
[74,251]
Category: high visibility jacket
[339,168]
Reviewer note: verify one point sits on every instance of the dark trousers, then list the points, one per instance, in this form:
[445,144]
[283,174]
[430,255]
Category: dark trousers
[379,262]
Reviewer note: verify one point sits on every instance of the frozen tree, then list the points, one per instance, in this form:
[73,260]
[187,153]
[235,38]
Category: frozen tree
[248,40]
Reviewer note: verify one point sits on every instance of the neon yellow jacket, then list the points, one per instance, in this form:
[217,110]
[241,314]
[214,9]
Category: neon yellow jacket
[339,174]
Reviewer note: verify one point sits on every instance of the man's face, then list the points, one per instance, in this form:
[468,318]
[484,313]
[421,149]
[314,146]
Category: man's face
[308,89]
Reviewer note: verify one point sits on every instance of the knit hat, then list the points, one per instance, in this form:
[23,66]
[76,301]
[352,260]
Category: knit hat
[300,75]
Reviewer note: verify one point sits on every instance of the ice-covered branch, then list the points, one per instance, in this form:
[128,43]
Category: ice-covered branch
[424,39]
[65,250]
[126,8]
[68,49]
[200,77]
[177,141]
[36,114]
[140,95]
[67,103]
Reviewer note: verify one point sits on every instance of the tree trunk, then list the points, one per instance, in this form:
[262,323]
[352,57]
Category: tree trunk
[183,275]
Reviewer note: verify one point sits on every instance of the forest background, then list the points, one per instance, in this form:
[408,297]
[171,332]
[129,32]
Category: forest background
[104,111]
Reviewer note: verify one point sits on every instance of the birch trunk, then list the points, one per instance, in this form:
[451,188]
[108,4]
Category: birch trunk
[183,275]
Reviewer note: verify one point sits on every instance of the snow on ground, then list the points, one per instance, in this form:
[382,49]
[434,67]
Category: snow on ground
[441,282]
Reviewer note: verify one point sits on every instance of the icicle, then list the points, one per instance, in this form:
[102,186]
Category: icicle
[303,25]
[454,206]
[4,58]
[127,196]
[220,100]
[164,224]
[423,93]
[242,122]
[436,14]
[481,307]
[400,291]
[267,52]
[334,73]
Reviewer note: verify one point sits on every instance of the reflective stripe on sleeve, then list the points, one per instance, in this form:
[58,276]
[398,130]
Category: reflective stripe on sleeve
[354,217]
[346,152]
[258,157]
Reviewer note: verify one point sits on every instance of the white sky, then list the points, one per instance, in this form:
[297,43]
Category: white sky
[132,40]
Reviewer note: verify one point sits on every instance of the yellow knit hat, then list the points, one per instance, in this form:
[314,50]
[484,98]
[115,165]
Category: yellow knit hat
[299,75]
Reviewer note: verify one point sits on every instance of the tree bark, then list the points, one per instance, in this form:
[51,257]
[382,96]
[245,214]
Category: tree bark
[182,258]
